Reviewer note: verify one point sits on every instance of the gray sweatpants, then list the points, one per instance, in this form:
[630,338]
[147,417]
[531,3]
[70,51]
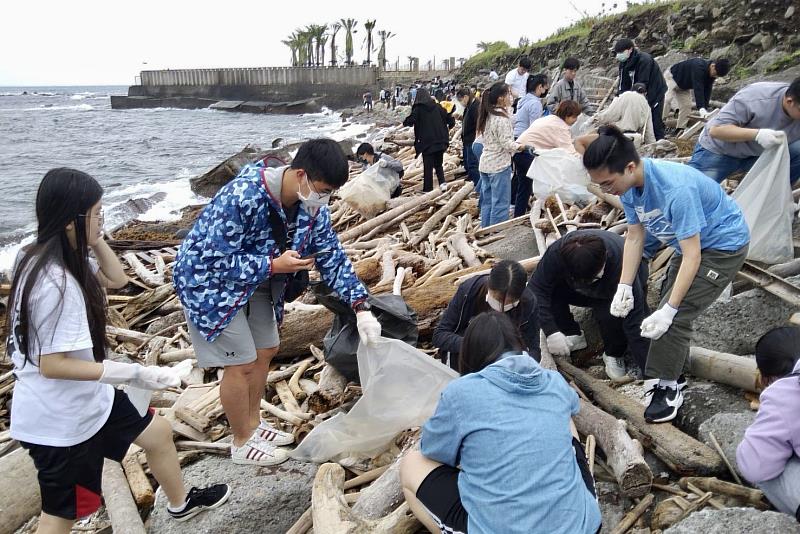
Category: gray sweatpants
[668,353]
[783,491]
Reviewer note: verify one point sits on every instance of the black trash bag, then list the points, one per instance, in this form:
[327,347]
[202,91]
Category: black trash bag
[340,344]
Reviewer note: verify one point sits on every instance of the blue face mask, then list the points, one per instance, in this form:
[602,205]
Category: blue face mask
[623,56]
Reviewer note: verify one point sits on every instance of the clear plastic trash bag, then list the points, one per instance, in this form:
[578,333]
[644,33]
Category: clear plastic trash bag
[557,171]
[368,192]
[401,388]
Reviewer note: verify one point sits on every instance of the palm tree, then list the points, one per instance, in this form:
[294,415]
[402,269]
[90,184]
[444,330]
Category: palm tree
[292,42]
[483,46]
[302,48]
[310,34]
[384,35]
[411,60]
[319,36]
[349,26]
[369,26]
[323,40]
[335,27]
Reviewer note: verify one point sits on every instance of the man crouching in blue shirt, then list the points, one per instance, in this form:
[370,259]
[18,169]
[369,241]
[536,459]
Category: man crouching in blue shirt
[233,269]
[688,211]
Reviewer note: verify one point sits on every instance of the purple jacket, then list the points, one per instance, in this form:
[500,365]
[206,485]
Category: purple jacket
[775,434]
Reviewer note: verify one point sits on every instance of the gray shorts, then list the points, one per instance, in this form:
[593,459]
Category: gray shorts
[252,328]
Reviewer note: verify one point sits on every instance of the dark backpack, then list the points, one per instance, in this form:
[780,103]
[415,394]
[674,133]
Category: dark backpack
[296,283]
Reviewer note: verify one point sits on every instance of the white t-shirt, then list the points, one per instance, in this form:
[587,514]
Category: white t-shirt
[518,82]
[48,411]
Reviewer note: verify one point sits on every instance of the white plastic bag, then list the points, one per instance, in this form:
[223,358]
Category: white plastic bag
[368,192]
[765,197]
[401,387]
[558,171]
[581,126]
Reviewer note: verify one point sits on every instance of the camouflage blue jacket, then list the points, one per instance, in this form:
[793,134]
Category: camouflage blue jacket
[230,249]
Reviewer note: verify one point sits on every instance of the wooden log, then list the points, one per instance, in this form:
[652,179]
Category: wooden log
[294,381]
[287,398]
[631,517]
[679,451]
[724,368]
[145,275]
[715,485]
[331,389]
[121,508]
[330,514]
[286,374]
[176,355]
[19,491]
[192,418]
[387,216]
[383,495]
[443,212]
[142,491]
[461,246]
[294,419]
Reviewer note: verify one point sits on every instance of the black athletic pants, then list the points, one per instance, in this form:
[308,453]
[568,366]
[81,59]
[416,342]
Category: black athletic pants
[431,162]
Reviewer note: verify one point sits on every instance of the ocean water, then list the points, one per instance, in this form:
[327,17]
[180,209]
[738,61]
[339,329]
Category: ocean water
[132,153]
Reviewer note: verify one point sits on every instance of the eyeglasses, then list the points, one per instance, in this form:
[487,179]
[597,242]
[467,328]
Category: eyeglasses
[100,216]
[606,187]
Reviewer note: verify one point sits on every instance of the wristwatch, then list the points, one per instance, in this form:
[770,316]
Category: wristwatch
[362,306]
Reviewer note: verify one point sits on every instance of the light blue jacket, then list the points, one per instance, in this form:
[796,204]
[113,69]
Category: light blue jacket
[230,249]
[507,426]
[529,108]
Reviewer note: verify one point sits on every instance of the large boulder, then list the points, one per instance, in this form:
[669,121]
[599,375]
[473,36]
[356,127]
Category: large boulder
[736,521]
[267,500]
[765,61]
[209,183]
[703,400]
[728,429]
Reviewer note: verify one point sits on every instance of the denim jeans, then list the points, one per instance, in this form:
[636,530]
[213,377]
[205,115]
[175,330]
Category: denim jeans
[471,166]
[495,197]
[477,150]
[719,166]
[783,491]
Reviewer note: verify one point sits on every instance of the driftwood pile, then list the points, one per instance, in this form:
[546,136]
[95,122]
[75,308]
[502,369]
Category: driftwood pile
[422,246]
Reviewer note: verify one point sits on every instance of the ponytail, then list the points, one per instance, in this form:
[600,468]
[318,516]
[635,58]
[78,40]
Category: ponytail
[612,150]
[488,107]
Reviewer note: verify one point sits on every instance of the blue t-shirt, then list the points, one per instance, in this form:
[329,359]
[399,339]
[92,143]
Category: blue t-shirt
[678,202]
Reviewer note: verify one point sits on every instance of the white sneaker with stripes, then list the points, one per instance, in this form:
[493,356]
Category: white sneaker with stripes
[273,436]
[257,452]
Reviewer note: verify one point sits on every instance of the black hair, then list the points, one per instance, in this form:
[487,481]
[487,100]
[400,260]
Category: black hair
[622,45]
[611,150]
[65,196]
[323,160]
[464,91]
[489,100]
[509,278]
[423,97]
[488,335]
[571,63]
[365,148]
[777,352]
[535,81]
[583,254]
[640,88]
[525,63]
[722,66]
[794,90]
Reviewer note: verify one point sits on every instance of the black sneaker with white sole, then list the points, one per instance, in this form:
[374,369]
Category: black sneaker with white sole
[664,404]
[200,499]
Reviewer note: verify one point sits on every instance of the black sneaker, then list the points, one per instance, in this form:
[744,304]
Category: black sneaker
[200,499]
[664,404]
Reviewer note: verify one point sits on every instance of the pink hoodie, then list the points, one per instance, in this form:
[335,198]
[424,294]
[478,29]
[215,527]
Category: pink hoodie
[775,434]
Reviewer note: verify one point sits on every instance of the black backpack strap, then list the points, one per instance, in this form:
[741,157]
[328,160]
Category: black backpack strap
[279,232]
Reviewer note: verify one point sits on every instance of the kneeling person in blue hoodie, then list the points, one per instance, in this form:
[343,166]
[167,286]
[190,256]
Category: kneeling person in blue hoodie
[498,454]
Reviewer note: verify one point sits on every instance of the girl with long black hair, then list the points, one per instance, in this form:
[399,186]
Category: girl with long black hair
[66,412]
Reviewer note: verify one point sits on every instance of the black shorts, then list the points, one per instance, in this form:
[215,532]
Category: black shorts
[440,496]
[70,477]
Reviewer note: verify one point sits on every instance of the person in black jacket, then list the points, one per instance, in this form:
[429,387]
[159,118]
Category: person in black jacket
[469,124]
[502,290]
[431,137]
[582,269]
[695,74]
[640,67]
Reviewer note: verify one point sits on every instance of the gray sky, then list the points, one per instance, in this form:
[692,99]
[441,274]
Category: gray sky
[93,42]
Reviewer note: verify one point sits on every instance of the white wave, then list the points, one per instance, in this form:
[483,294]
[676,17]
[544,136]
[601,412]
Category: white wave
[77,97]
[8,254]
[326,112]
[178,195]
[78,107]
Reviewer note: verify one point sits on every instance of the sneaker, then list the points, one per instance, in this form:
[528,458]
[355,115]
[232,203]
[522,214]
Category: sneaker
[664,404]
[577,342]
[200,499]
[273,436]
[258,452]
[650,383]
[443,186]
[615,367]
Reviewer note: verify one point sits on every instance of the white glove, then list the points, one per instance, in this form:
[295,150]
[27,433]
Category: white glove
[382,163]
[369,329]
[557,344]
[622,304]
[769,138]
[139,376]
[703,112]
[659,322]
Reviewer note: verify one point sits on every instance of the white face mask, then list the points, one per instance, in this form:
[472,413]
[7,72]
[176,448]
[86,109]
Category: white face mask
[622,57]
[314,201]
[497,306]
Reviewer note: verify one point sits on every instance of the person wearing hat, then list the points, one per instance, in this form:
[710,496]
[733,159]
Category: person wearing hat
[636,66]
[768,454]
